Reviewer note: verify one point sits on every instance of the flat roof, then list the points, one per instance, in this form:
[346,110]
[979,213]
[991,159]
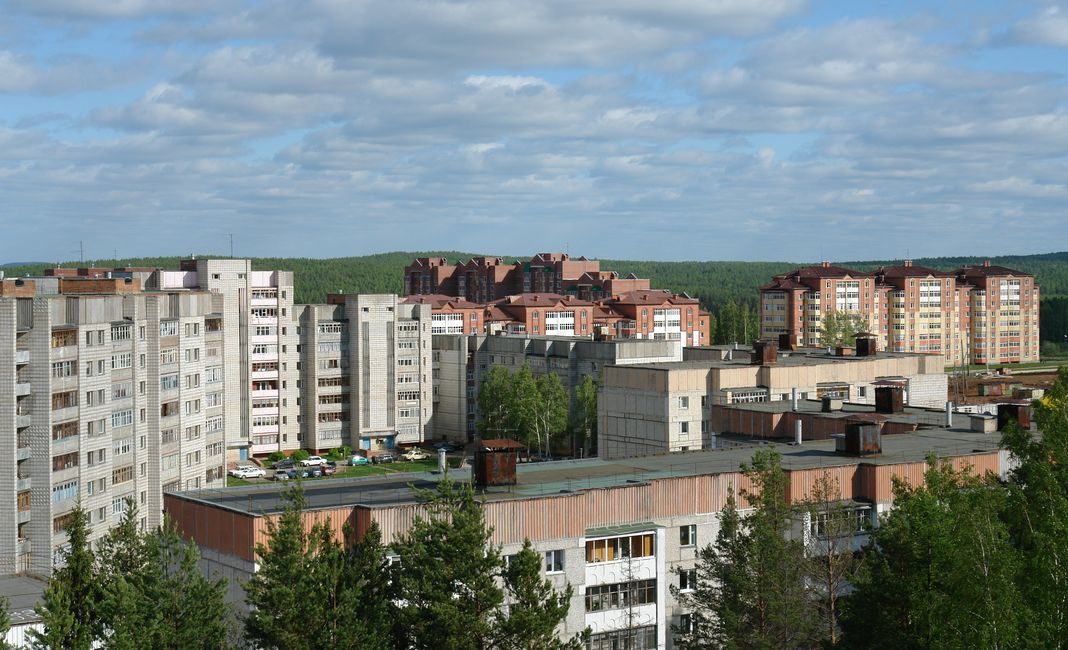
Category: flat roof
[922,416]
[783,359]
[561,477]
[22,592]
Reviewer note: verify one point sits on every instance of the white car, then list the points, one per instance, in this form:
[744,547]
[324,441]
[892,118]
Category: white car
[247,471]
[313,461]
[414,454]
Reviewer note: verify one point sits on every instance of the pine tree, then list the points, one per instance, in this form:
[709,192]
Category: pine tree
[70,605]
[369,569]
[5,622]
[278,594]
[535,608]
[449,594]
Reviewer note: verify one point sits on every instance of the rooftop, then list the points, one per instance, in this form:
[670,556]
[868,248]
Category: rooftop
[556,477]
[22,592]
[795,358]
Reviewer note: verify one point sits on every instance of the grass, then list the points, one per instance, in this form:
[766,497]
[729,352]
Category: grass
[355,471]
[1052,363]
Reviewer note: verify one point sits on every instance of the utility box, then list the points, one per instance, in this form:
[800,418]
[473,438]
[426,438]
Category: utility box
[764,352]
[1019,410]
[983,423]
[495,462]
[867,345]
[889,399]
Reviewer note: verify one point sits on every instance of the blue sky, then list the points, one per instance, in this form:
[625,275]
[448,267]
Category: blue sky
[650,129]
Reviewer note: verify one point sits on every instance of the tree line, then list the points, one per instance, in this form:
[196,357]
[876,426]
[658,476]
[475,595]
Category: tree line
[961,561]
[715,284]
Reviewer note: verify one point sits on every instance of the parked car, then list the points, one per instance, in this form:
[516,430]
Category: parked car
[281,475]
[285,463]
[358,460]
[328,468]
[415,454]
[386,458]
[449,447]
[248,471]
[313,461]
[310,472]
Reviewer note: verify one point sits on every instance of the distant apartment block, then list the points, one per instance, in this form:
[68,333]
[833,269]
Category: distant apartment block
[485,279]
[107,393]
[364,372]
[551,295]
[979,314]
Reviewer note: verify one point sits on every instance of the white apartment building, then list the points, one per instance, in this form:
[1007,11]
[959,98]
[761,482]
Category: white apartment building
[103,398]
[364,364]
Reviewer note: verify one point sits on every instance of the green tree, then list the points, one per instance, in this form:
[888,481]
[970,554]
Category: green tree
[585,414]
[448,576]
[1038,516]
[495,398]
[535,608]
[940,570]
[841,328]
[524,407]
[70,605]
[278,594]
[719,603]
[5,622]
[549,409]
[369,569]
[831,562]
[751,589]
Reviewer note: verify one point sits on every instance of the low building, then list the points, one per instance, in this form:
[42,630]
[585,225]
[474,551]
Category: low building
[666,407]
[607,527]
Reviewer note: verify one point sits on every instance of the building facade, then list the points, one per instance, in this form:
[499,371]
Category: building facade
[977,314]
[106,397]
[461,363]
[668,407]
[365,376]
[621,533]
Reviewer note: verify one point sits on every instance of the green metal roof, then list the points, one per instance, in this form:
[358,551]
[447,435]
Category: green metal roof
[613,531]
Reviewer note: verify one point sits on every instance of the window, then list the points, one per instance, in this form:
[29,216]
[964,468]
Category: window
[192,354]
[688,535]
[64,491]
[122,475]
[619,548]
[64,338]
[684,428]
[65,369]
[121,360]
[121,332]
[65,430]
[64,400]
[123,446]
[168,328]
[170,461]
[168,382]
[192,433]
[212,375]
[94,397]
[407,395]
[168,355]
[122,418]
[687,579]
[620,595]
[212,399]
[192,381]
[640,638]
[192,329]
[121,391]
[211,425]
[118,505]
[554,561]
[64,461]
[684,402]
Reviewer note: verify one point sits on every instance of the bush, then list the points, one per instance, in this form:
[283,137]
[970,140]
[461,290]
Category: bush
[341,453]
[300,454]
[275,457]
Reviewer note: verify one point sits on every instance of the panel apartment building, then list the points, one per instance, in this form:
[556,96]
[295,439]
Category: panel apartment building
[979,314]
[364,364]
[108,393]
[461,363]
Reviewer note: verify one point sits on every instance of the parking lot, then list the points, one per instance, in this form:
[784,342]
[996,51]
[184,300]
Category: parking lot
[344,470]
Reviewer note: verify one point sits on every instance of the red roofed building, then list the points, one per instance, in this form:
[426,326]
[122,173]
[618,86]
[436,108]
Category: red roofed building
[982,314]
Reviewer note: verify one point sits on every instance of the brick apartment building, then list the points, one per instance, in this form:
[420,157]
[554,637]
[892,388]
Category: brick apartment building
[979,314]
[485,279]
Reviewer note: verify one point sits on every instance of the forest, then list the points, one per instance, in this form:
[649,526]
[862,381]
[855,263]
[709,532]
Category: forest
[716,284]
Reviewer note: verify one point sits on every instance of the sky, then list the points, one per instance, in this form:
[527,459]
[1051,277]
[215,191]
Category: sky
[627,129]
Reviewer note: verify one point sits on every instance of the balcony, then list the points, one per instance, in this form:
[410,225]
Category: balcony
[22,357]
[22,421]
[24,484]
[22,453]
[22,389]
[264,393]
[24,516]
[64,353]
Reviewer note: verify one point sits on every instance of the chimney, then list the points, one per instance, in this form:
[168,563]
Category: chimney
[949,414]
[889,399]
[907,263]
[764,352]
[986,262]
[793,399]
[785,343]
[867,345]
[825,264]
[797,431]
